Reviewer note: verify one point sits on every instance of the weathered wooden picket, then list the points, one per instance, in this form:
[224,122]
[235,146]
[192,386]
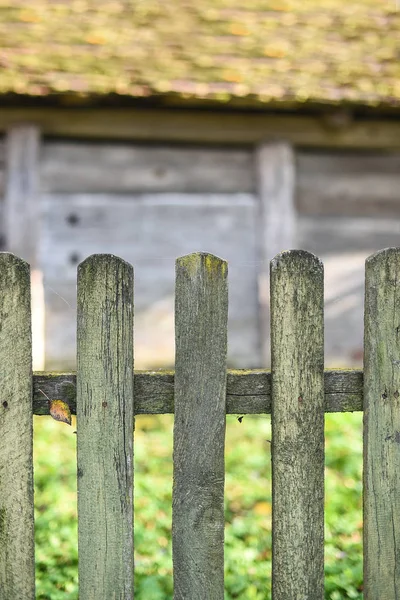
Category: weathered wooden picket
[106,394]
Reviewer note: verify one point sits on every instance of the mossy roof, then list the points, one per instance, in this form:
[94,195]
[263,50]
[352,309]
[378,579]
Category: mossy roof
[279,52]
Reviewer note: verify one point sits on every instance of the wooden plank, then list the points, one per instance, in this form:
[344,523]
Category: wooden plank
[17,560]
[247,392]
[82,167]
[297,351]
[205,126]
[21,202]
[276,183]
[277,219]
[382,426]
[141,228]
[105,426]
[348,184]
[201,313]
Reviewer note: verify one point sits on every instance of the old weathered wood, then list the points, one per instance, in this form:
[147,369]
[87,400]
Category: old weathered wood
[75,226]
[348,184]
[21,201]
[276,187]
[247,392]
[105,428]
[17,561]
[201,313]
[219,127]
[382,426]
[116,168]
[275,169]
[297,352]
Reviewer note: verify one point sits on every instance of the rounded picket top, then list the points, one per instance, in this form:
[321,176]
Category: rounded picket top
[293,260]
[15,275]
[96,260]
[382,255]
[12,260]
[202,262]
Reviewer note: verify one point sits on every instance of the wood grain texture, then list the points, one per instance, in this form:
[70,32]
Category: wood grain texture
[105,428]
[297,352]
[204,126]
[21,201]
[247,391]
[201,312]
[382,427]
[17,561]
[116,168]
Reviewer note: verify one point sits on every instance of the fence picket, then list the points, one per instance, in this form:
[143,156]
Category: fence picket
[382,426]
[297,356]
[201,310]
[105,425]
[17,560]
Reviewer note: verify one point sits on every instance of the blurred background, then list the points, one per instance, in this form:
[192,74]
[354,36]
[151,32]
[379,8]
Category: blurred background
[150,129]
[153,129]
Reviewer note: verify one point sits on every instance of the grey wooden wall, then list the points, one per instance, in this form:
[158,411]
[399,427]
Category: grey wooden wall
[149,204]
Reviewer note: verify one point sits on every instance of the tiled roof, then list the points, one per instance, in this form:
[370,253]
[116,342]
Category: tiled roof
[288,52]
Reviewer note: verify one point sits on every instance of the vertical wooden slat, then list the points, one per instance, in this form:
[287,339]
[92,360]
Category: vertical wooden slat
[297,348]
[21,199]
[17,562]
[22,217]
[201,310]
[382,426]
[105,420]
[276,175]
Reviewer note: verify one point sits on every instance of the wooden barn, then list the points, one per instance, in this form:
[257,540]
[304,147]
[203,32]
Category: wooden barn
[153,129]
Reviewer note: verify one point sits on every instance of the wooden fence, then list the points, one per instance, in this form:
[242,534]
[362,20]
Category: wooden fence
[106,394]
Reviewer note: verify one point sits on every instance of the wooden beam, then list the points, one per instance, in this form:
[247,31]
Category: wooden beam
[81,167]
[247,391]
[21,211]
[21,207]
[275,171]
[208,127]
[275,165]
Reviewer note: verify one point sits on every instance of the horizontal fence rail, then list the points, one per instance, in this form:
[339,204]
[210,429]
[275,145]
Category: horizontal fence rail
[106,394]
[248,391]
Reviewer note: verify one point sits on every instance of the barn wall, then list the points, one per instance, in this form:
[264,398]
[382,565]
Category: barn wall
[348,184]
[150,204]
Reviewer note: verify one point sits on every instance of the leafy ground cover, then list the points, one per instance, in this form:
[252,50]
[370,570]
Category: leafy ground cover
[247,508]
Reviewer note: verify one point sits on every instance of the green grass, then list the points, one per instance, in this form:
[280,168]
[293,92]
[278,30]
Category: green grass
[247,508]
